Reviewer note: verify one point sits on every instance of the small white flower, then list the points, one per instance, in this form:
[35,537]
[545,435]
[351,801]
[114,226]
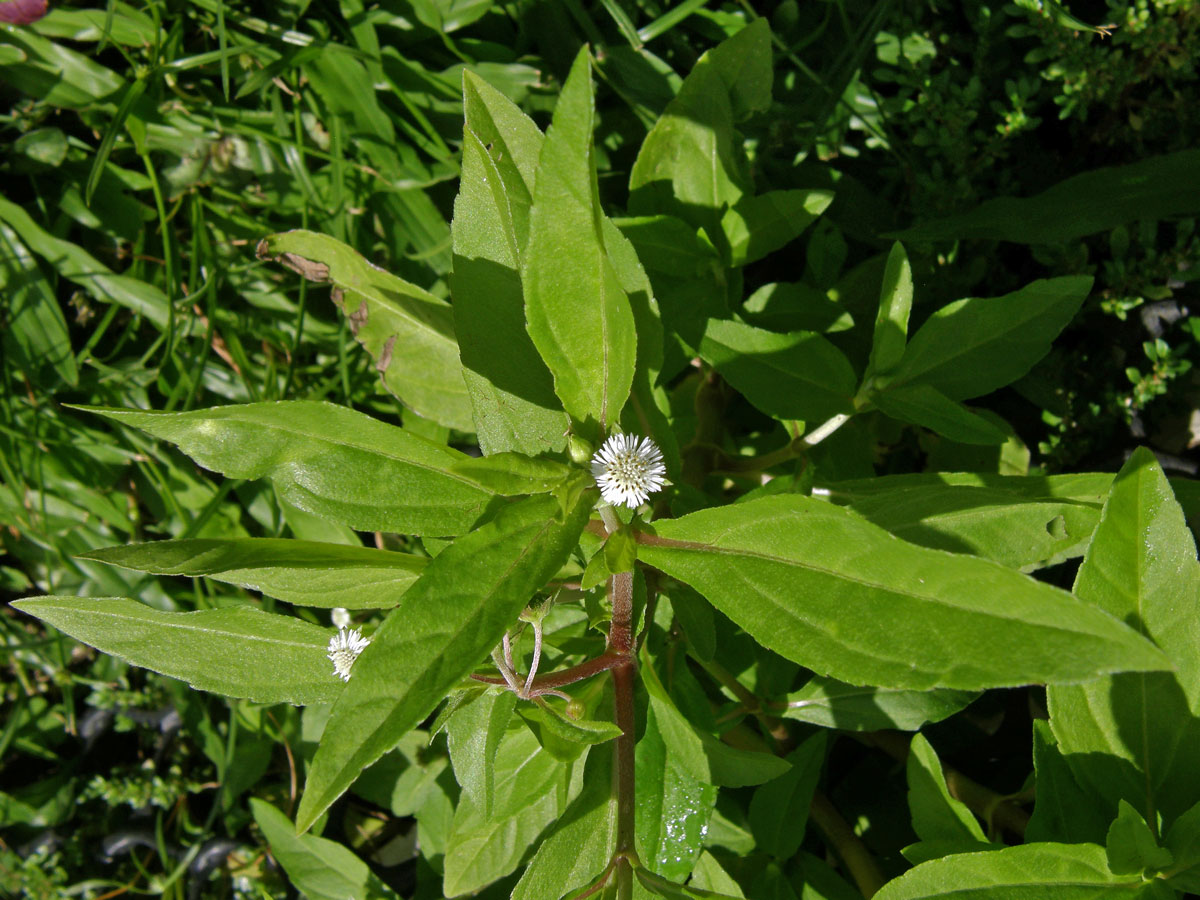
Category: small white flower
[341,617]
[628,469]
[344,648]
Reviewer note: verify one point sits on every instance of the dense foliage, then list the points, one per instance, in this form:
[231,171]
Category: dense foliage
[766,276]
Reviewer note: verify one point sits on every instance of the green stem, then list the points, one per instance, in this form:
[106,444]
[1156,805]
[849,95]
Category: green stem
[749,700]
[859,862]
[824,430]
[608,516]
[749,464]
[167,250]
[699,455]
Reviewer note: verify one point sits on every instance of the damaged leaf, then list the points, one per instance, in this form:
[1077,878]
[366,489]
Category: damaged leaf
[408,331]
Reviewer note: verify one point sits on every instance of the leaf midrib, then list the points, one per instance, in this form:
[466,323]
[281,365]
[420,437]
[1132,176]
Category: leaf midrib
[671,543]
[812,384]
[352,763]
[994,337]
[335,441]
[186,626]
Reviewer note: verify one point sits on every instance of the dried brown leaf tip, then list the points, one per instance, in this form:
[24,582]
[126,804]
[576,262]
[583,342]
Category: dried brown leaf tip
[310,269]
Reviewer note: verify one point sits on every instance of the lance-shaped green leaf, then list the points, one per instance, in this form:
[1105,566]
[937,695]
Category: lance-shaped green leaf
[327,460]
[921,404]
[999,522]
[446,623]
[649,406]
[406,330]
[307,573]
[511,474]
[1156,188]
[790,376]
[582,841]
[690,164]
[1132,737]
[237,651]
[709,876]
[673,808]
[795,306]
[517,141]
[649,884]
[1183,840]
[936,816]
[36,332]
[779,809]
[1063,811]
[1087,487]
[891,322]
[1131,846]
[576,311]
[511,389]
[561,736]
[473,734]
[849,707]
[322,869]
[76,265]
[1028,872]
[532,790]
[974,346]
[701,756]
[756,226]
[822,587]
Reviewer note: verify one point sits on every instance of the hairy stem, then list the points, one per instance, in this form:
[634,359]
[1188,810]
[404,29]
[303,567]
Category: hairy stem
[620,645]
[623,775]
[545,683]
[537,656]
[508,654]
[620,630]
[509,677]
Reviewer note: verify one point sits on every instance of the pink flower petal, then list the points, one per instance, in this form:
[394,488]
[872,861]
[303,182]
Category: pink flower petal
[22,12]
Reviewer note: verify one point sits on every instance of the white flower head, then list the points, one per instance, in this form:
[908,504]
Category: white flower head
[628,469]
[341,617]
[344,648]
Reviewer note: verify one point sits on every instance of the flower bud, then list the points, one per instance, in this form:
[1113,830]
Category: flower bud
[578,449]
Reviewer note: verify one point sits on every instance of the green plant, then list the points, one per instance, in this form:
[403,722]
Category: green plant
[663,676]
[954,107]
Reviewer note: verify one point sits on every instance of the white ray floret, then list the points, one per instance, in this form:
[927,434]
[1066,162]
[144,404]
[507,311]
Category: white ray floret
[344,648]
[628,469]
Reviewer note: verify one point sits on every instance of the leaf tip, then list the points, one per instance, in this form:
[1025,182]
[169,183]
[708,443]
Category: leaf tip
[307,815]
